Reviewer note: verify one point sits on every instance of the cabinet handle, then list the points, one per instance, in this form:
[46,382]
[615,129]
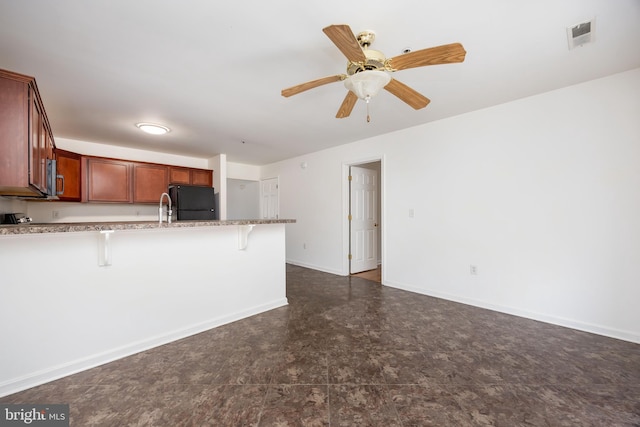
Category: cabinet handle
[61,191]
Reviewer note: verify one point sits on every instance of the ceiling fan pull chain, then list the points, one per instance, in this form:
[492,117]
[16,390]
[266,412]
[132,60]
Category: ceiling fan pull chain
[367,101]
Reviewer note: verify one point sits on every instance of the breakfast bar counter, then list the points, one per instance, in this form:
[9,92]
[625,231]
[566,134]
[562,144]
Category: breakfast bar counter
[31,228]
[77,295]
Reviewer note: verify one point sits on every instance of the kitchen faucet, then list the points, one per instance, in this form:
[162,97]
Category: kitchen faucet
[169,211]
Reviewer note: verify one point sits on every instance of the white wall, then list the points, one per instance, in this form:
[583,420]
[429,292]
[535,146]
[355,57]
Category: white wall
[114,151]
[219,166]
[313,197]
[243,191]
[8,205]
[540,194]
[243,199]
[243,171]
[50,212]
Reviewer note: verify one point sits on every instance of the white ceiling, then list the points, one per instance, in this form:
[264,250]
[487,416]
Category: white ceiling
[212,71]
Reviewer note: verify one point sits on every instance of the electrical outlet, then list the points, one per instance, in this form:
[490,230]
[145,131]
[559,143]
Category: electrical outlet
[55,214]
[412,213]
[473,270]
[304,246]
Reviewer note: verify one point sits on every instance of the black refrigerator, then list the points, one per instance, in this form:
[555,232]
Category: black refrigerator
[192,202]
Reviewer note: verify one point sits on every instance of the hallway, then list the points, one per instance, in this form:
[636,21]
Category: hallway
[373,275]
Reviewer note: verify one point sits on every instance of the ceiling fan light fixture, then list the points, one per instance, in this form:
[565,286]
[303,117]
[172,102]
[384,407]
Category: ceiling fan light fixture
[366,84]
[152,128]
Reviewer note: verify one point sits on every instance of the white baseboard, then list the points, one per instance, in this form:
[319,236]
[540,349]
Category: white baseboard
[315,267]
[554,320]
[75,366]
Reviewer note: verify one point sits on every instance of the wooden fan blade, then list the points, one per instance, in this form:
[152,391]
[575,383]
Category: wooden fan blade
[347,105]
[445,54]
[343,38]
[294,90]
[406,94]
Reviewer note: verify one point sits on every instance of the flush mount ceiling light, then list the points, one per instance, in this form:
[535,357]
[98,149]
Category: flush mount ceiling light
[152,128]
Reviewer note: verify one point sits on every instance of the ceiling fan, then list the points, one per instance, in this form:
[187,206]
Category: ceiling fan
[368,70]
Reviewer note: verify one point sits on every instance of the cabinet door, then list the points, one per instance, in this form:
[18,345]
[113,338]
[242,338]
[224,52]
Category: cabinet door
[25,137]
[49,145]
[69,167]
[149,182]
[45,153]
[178,175]
[36,143]
[14,134]
[40,144]
[108,180]
[202,177]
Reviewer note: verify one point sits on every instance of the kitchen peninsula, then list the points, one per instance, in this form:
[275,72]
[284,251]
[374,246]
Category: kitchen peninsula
[77,295]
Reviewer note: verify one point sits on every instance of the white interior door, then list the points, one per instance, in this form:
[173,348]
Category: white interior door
[269,198]
[364,219]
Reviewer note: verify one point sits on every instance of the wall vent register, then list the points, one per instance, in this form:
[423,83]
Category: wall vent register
[581,34]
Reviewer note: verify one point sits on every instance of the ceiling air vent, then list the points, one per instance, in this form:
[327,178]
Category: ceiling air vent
[581,34]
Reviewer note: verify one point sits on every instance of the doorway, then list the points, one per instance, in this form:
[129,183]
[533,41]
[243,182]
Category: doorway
[269,199]
[365,219]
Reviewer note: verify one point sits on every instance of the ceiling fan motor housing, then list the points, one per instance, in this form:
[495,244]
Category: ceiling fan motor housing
[375,61]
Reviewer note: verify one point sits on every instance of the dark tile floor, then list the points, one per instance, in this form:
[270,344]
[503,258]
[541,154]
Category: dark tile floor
[349,352]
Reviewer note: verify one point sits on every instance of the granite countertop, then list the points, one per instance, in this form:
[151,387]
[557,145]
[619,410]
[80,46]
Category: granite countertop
[31,228]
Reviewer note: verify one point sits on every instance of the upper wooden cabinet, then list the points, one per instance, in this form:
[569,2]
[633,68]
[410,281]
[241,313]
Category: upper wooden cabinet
[179,175]
[26,140]
[202,177]
[107,180]
[121,181]
[68,187]
[149,182]
[190,176]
